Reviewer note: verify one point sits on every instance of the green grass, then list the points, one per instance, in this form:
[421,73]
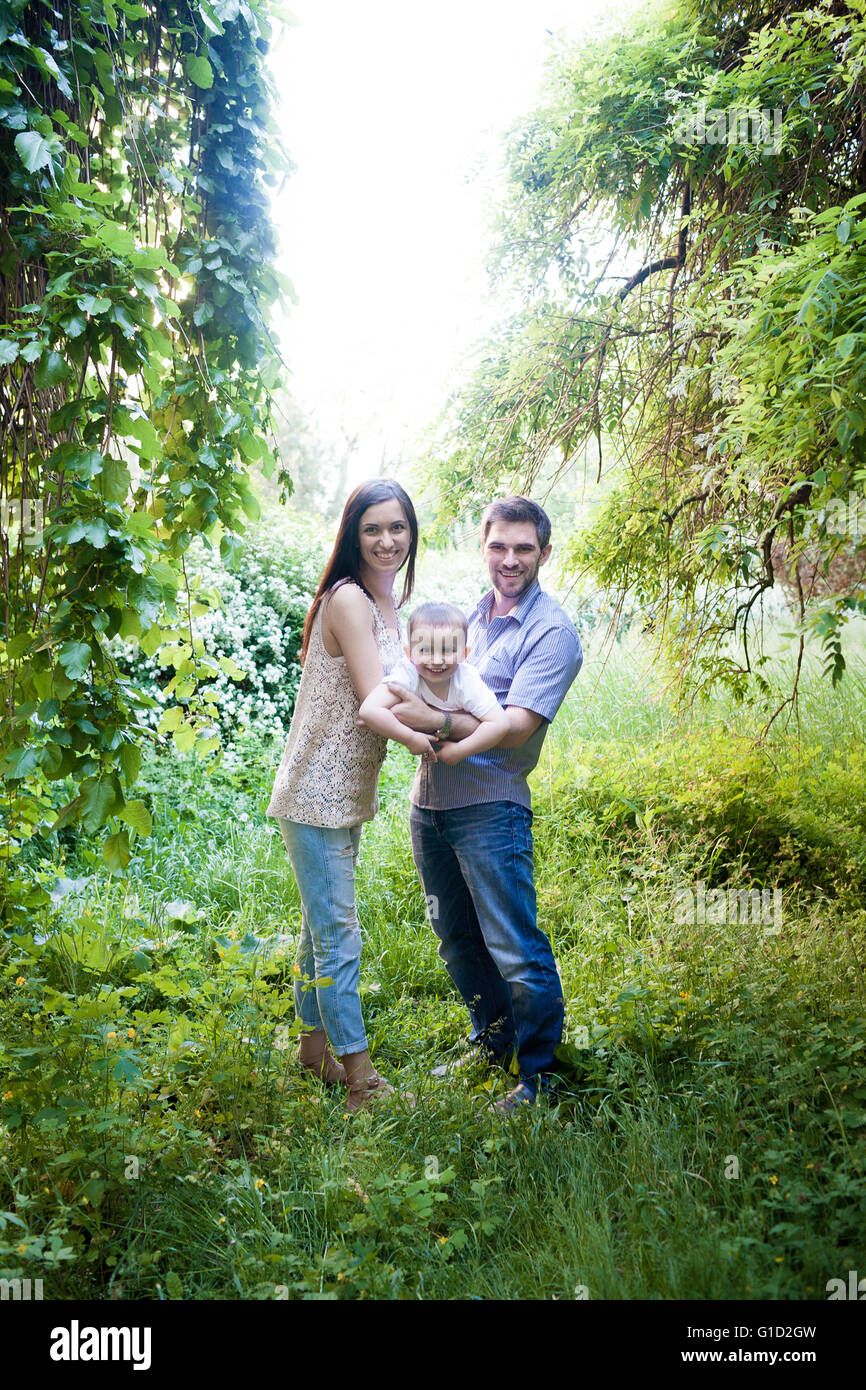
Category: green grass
[709,1140]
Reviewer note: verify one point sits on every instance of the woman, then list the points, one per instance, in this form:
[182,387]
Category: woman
[325,787]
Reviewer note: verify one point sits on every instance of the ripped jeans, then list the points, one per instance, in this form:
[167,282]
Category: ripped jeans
[329,948]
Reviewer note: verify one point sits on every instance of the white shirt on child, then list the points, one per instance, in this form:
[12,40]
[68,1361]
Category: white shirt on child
[465,691]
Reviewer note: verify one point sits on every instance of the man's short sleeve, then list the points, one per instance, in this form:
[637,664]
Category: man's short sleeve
[545,673]
[471,694]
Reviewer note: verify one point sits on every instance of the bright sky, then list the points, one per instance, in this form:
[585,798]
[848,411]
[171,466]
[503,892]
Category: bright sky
[393,113]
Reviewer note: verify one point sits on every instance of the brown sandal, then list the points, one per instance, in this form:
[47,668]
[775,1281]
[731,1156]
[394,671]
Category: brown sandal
[372,1088]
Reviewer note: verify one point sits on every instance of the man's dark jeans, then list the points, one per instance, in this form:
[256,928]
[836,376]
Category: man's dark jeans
[475,863]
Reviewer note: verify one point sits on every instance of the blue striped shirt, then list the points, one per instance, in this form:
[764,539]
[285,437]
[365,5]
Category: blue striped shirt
[528,657]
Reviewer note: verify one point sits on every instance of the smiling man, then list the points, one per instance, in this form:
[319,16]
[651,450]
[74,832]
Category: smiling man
[471,820]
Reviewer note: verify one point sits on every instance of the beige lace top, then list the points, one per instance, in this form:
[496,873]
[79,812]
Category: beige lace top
[330,768]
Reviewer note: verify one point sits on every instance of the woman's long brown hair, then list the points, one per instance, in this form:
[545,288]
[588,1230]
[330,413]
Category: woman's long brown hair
[345,561]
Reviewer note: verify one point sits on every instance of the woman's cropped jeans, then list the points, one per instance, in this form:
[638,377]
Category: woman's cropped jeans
[329,948]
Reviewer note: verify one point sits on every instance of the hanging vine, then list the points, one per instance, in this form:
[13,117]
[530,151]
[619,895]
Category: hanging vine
[135,370]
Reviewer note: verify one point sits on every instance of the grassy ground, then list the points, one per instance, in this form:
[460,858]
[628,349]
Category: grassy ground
[159,1141]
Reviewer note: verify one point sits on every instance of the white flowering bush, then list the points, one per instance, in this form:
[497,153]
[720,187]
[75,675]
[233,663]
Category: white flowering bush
[256,621]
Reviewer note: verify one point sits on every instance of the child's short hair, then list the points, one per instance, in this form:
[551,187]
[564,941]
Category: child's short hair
[438,615]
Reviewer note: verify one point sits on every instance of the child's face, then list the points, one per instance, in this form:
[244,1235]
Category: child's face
[436,651]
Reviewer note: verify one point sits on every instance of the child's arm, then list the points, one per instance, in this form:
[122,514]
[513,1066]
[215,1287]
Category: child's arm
[493,727]
[376,714]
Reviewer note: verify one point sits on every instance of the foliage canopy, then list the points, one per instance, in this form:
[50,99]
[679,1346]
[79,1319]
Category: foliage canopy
[714,331]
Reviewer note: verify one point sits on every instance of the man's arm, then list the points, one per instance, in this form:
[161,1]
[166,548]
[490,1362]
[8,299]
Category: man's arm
[377,713]
[412,710]
[415,712]
[522,725]
[493,726]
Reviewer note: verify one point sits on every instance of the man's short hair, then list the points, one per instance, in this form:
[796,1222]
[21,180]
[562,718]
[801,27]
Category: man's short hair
[438,615]
[517,509]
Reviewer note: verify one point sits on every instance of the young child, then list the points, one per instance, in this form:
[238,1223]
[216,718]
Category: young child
[435,668]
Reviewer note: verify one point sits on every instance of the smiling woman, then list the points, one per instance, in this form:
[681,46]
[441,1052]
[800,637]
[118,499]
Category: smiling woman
[325,787]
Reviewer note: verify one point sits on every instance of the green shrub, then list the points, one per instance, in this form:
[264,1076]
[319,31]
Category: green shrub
[799,821]
[257,620]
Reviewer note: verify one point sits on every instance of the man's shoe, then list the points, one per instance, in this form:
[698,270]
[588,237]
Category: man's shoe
[462,1067]
[518,1099]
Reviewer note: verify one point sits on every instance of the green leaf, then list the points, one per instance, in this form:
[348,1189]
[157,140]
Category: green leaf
[33,150]
[20,762]
[199,71]
[170,720]
[116,852]
[8,351]
[136,814]
[98,800]
[184,737]
[51,370]
[115,481]
[94,303]
[74,657]
[232,669]
[129,758]
[96,532]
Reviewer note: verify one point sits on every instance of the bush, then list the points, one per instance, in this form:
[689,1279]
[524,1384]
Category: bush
[798,823]
[257,622]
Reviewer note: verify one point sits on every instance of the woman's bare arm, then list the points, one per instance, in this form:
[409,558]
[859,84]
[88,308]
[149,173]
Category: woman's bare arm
[347,618]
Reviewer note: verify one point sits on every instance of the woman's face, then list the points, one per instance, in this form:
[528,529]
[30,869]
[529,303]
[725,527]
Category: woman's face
[384,536]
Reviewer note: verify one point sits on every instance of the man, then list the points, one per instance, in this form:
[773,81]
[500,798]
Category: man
[471,821]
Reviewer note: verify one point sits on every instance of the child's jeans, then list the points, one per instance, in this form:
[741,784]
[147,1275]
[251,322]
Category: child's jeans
[329,948]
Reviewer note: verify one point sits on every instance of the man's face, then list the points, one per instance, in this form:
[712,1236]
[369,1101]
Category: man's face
[513,556]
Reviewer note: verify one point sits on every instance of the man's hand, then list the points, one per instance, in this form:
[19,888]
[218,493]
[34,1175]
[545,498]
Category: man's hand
[413,711]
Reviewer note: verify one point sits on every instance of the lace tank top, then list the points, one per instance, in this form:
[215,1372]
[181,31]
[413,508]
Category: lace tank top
[330,768]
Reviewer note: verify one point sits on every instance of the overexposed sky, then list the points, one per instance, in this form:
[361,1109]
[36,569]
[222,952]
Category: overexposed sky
[394,113]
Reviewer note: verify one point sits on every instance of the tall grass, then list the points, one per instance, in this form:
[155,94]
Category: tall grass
[708,1137]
